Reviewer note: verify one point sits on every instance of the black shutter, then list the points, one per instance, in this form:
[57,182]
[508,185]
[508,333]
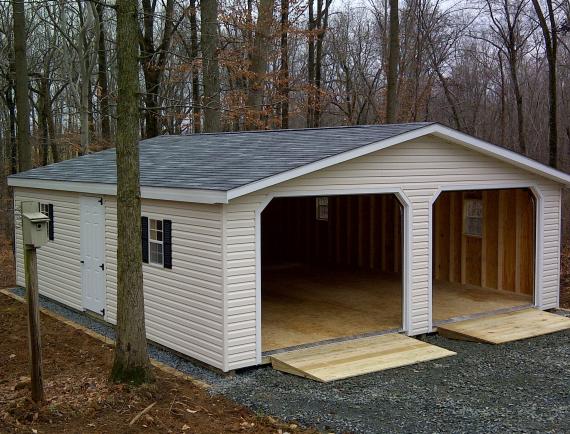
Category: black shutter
[144,236]
[50,227]
[167,242]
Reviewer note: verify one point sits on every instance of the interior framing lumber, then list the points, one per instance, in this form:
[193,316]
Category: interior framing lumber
[503,256]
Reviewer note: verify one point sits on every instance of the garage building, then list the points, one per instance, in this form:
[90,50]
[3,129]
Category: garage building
[255,242]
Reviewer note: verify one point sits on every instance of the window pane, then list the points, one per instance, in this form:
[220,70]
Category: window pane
[153,234]
[322,208]
[159,236]
[159,225]
[155,253]
[473,226]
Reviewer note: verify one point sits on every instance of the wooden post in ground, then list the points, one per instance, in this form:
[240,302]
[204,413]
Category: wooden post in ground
[34,338]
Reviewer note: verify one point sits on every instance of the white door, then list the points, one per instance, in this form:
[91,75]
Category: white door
[93,254]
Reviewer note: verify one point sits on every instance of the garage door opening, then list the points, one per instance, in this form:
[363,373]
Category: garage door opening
[331,267]
[483,252]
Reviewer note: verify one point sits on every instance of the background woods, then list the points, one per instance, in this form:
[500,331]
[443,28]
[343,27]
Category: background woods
[498,69]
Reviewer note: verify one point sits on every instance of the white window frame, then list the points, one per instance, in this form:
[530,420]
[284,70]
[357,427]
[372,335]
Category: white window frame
[156,242]
[42,206]
[44,209]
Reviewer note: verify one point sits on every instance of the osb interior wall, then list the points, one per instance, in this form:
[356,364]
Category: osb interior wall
[362,231]
[503,257]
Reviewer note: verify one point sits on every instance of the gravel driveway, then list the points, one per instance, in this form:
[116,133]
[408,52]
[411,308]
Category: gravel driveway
[518,387]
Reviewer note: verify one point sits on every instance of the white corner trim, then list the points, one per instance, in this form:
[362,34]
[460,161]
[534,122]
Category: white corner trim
[160,193]
[435,129]
[226,338]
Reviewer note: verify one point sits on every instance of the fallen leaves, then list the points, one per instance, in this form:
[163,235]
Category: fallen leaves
[79,397]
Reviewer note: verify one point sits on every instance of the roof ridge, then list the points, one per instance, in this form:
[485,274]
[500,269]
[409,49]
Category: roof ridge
[282,130]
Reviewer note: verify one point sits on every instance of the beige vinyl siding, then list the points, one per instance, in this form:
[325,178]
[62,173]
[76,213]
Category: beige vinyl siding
[419,168]
[183,305]
[59,269]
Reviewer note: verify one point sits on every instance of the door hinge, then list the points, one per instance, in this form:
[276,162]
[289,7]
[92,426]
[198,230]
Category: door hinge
[102,267]
[101,200]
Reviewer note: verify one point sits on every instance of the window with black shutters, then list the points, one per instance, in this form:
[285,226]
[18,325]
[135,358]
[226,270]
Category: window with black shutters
[47,209]
[157,242]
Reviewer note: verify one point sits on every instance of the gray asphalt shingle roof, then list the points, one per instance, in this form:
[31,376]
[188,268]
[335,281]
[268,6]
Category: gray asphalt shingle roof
[221,161]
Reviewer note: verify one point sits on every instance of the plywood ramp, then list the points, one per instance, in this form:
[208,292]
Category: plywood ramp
[506,327]
[356,357]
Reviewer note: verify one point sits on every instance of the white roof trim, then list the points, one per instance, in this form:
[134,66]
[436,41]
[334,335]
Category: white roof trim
[506,155]
[435,129]
[213,196]
[160,193]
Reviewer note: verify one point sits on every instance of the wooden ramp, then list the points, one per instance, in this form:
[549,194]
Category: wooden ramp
[356,357]
[506,327]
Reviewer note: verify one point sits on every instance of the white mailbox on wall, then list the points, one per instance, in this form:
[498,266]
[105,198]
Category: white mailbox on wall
[34,225]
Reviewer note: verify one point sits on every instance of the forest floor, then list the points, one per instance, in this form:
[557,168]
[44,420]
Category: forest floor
[79,397]
[7,277]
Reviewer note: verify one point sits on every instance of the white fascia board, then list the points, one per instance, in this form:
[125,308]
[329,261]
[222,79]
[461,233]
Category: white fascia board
[80,187]
[184,195]
[159,193]
[438,130]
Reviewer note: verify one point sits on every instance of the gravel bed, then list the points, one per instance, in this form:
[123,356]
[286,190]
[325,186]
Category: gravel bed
[517,387]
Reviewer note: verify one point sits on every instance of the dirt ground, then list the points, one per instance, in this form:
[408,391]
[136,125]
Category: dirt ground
[80,399]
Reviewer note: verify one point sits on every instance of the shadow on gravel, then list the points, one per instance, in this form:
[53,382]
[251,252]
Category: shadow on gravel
[521,386]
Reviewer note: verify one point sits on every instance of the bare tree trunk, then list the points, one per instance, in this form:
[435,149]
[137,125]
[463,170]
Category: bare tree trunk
[13,152]
[211,73]
[196,111]
[284,66]
[317,26]
[44,108]
[258,64]
[102,81]
[551,48]
[131,362]
[449,98]
[322,24]
[311,66]
[513,65]
[84,112]
[21,81]
[154,61]
[502,116]
[393,61]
